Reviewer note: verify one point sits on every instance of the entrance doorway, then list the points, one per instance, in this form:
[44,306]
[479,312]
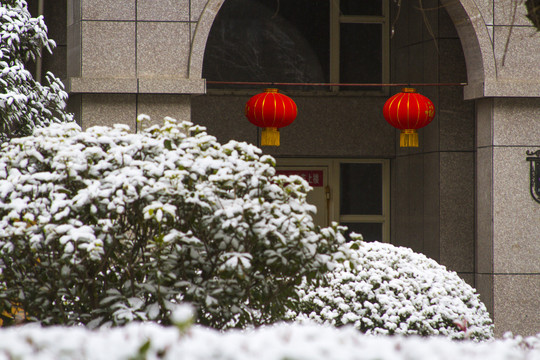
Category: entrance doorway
[353,192]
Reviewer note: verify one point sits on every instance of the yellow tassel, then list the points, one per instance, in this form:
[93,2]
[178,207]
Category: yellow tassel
[408,138]
[270,137]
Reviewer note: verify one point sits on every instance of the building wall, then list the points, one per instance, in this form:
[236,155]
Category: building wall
[432,186]
[433,196]
[461,198]
[501,48]
[508,228]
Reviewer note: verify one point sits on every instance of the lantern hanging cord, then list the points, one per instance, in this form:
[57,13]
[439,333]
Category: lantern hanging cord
[273,83]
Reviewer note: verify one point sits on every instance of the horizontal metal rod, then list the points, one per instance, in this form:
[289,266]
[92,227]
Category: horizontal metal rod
[330,84]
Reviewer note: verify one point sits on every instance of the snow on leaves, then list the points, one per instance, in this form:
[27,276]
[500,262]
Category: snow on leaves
[24,102]
[106,227]
[278,342]
[382,289]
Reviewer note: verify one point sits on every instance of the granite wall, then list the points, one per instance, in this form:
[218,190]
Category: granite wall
[462,198]
[433,193]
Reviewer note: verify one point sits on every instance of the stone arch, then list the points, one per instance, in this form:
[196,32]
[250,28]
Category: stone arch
[198,45]
[476,43]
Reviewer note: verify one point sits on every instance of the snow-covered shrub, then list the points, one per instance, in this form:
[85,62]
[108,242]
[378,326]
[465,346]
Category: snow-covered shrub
[278,342]
[24,102]
[106,226]
[383,289]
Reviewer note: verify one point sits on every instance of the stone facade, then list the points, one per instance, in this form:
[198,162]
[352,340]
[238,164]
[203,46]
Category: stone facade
[461,198]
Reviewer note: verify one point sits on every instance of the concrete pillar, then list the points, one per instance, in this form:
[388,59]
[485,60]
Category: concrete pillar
[122,53]
[507,217]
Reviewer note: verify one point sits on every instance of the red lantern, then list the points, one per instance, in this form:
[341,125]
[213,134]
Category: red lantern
[408,111]
[271,110]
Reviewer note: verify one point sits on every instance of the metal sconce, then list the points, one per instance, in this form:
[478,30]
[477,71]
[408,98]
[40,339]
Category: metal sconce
[535,173]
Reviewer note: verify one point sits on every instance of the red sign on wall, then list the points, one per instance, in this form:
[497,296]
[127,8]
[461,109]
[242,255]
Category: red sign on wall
[313,177]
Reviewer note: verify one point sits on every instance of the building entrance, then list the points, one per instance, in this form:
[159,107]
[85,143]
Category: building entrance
[353,192]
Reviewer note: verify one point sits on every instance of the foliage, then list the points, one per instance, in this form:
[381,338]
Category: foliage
[106,226]
[383,289]
[24,102]
[533,12]
[278,342]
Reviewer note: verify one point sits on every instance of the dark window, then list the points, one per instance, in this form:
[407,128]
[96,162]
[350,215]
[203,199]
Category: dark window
[361,54]
[289,41]
[361,189]
[369,231]
[269,40]
[361,7]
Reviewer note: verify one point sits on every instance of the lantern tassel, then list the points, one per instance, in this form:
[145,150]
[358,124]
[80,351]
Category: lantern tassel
[408,138]
[270,136]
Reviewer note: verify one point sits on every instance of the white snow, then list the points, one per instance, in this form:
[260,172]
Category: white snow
[383,289]
[282,341]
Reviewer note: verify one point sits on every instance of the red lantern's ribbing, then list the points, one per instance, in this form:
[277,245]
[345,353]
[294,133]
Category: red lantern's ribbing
[408,111]
[271,110]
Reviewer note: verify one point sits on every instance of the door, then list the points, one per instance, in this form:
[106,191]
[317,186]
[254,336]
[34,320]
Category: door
[317,177]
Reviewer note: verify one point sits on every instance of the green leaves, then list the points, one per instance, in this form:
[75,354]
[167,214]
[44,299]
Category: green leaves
[156,219]
[24,102]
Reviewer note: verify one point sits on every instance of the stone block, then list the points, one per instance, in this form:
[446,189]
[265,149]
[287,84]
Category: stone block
[515,121]
[163,49]
[108,109]
[224,117]
[108,49]
[452,61]
[160,106]
[521,58]
[108,10]
[73,12]
[416,197]
[484,210]
[486,9]
[510,13]
[409,203]
[484,122]
[457,210]
[456,119]
[102,85]
[163,10]
[401,226]
[431,63]
[516,304]
[429,136]
[484,286]
[355,123]
[197,7]
[431,181]
[516,227]
[172,86]
[74,50]
[468,277]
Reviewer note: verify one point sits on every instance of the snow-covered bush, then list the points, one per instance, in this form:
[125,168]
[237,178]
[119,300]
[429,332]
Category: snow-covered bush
[106,226]
[383,289]
[24,102]
[278,342]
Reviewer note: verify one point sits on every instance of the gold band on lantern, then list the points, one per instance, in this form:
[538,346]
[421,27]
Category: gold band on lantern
[408,90]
